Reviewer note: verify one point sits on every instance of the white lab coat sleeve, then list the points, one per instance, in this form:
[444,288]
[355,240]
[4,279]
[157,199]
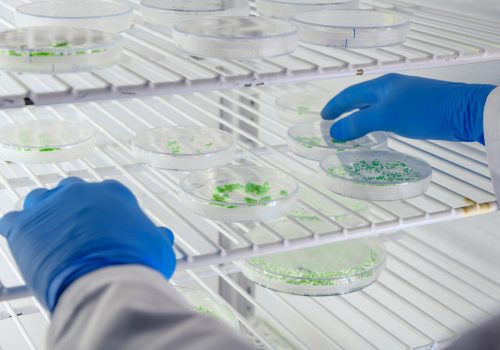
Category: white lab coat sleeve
[491,124]
[132,307]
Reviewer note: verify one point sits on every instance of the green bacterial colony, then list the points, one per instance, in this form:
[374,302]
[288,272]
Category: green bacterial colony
[305,276]
[254,193]
[205,311]
[313,141]
[303,110]
[45,149]
[59,45]
[376,170]
[175,148]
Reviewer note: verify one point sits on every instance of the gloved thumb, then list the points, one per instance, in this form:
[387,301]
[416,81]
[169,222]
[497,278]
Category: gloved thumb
[357,125]
[167,233]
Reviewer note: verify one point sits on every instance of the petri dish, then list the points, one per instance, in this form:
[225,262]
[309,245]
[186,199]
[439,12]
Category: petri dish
[376,174]
[235,37]
[105,15]
[309,140]
[239,193]
[57,49]
[45,141]
[184,147]
[301,107]
[289,8]
[169,12]
[352,28]
[206,304]
[331,269]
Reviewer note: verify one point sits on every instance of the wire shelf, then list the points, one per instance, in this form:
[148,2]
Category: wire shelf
[152,65]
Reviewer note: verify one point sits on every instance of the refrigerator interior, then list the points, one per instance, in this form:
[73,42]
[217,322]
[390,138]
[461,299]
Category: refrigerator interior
[440,277]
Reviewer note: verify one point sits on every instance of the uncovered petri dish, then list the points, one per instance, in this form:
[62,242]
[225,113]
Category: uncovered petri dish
[376,174]
[106,15]
[206,304]
[239,193]
[288,8]
[57,49]
[184,147]
[301,107]
[331,269]
[235,37]
[45,141]
[309,140]
[169,12]
[352,28]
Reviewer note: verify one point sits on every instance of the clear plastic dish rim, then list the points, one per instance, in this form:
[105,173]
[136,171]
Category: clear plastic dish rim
[293,29]
[334,156]
[126,12]
[160,153]
[405,23]
[292,193]
[189,11]
[66,146]
[290,109]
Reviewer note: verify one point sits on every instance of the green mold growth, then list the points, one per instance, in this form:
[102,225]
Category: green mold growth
[305,276]
[209,145]
[377,171]
[61,44]
[174,146]
[24,51]
[254,193]
[45,149]
[205,311]
[301,110]
[309,142]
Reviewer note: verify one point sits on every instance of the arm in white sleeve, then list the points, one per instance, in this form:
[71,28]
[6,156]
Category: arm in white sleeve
[491,124]
[133,307]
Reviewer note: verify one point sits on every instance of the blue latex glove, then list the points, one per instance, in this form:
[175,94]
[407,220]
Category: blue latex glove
[79,227]
[411,107]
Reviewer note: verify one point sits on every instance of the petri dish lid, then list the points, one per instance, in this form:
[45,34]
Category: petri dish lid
[376,174]
[309,140]
[236,37]
[184,147]
[301,107]
[331,269]
[105,15]
[195,5]
[240,193]
[352,28]
[206,304]
[57,49]
[45,141]
[288,8]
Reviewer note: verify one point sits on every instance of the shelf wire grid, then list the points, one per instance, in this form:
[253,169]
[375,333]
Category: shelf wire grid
[152,65]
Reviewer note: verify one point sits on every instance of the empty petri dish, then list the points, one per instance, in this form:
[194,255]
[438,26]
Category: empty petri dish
[45,141]
[169,12]
[206,304]
[301,107]
[331,269]
[184,147]
[376,174]
[352,28]
[57,49]
[106,15]
[239,193]
[235,37]
[309,140]
[288,8]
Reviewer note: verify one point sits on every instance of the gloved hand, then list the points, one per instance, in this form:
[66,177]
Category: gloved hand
[78,227]
[412,107]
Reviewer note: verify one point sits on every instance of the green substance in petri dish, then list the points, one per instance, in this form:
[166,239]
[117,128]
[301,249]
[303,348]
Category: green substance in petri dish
[377,171]
[303,110]
[309,142]
[62,44]
[205,311]
[45,149]
[257,191]
[304,216]
[209,145]
[305,276]
[174,146]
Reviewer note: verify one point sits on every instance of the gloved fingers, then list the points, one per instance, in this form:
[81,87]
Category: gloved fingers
[70,181]
[118,186]
[7,222]
[357,96]
[357,125]
[35,197]
[168,234]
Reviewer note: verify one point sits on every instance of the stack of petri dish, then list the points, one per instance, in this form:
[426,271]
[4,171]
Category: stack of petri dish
[331,269]
[352,28]
[57,49]
[45,141]
[376,174]
[184,147]
[169,12]
[235,37]
[206,304]
[105,15]
[312,140]
[301,107]
[288,8]
[239,193]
